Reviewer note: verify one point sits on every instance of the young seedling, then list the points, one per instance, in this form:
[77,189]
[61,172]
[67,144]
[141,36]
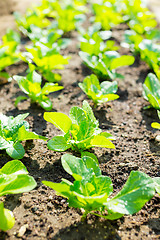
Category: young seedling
[8,53]
[81,130]
[139,18]
[69,19]
[51,8]
[38,28]
[31,85]
[7,218]
[51,38]
[94,43]
[91,190]
[99,93]
[14,179]
[45,59]
[150,53]
[12,132]
[32,17]
[132,41]
[151,92]
[108,15]
[68,15]
[105,65]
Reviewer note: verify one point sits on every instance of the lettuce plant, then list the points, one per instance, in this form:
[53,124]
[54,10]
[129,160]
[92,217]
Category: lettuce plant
[68,19]
[67,15]
[32,17]
[50,38]
[95,45]
[12,132]
[51,8]
[8,52]
[105,65]
[143,23]
[47,35]
[31,85]
[14,179]
[81,130]
[132,40]
[151,91]
[140,19]
[147,48]
[153,34]
[39,29]
[150,53]
[7,218]
[91,190]
[99,93]
[46,59]
[107,15]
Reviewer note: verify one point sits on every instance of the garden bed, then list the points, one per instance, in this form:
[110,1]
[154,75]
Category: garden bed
[41,214]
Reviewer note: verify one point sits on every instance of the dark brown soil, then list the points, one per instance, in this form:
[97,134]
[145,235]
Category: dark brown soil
[42,214]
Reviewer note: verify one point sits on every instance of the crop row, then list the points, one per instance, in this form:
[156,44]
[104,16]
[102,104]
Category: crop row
[91,190]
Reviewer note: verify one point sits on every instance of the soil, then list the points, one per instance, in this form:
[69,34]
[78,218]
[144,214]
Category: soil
[41,214]
[7,7]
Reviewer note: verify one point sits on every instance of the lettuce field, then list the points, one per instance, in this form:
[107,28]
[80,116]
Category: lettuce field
[79,120]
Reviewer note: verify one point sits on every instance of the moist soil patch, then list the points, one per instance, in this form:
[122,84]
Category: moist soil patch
[41,214]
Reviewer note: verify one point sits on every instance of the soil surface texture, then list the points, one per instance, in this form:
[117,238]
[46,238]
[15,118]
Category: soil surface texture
[41,214]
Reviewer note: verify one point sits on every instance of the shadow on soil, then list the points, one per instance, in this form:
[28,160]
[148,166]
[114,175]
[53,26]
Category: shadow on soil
[39,124]
[84,230]
[101,114]
[149,116]
[155,225]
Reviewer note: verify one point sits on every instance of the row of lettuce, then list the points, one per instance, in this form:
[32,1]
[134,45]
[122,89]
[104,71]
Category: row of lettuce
[47,26]
[90,190]
[98,52]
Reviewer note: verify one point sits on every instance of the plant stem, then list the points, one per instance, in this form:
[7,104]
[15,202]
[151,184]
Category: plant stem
[84,216]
